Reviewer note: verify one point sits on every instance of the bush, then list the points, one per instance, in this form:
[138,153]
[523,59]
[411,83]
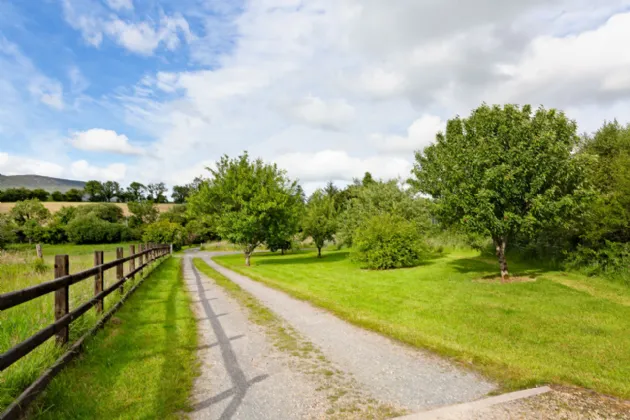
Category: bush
[105,211]
[387,241]
[612,260]
[7,230]
[90,229]
[164,232]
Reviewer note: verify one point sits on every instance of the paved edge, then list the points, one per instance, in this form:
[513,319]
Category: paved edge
[476,405]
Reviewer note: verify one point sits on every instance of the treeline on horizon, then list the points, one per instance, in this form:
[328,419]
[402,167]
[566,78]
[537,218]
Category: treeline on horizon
[102,192]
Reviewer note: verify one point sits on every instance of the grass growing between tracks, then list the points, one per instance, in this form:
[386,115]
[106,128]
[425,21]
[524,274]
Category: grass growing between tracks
[141,365]
[558,328]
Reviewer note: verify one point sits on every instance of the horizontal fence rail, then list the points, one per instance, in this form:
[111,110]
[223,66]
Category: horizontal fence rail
[64,317]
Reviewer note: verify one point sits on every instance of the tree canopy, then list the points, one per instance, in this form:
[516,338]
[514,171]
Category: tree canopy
[501,171]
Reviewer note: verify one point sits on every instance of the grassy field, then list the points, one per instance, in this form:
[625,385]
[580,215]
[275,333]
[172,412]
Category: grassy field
[141,366]
[554,328]
[54,207]
[19,269]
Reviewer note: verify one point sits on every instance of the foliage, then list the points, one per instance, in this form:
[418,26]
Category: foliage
[180,193]
[144,212]
[502,172]
[136,192]
[381,198]
[57,196]
[246,198]
[320,219]
[94,191]
[164,232]
[29,210]
[105,211]
[176,214]
[612,260]
[7,230]
[110,190]
[156,192]
[90,229]
[74,195]
[387,241]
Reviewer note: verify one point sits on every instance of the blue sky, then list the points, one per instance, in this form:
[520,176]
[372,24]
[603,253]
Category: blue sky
[154,90]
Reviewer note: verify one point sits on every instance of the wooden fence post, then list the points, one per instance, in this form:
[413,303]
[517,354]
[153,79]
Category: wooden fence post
[40,253]
[132,262]
[98,280]
[62,268]
[141,247]
[120,269]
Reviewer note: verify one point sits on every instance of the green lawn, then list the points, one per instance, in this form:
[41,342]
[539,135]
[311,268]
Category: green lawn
[141,366]
[561,328]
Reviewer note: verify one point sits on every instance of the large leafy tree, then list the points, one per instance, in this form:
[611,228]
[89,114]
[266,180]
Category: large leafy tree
[144,212]
[320,219]
[136,191]
[74,195]
[157,192]
[245,197]
[286,222]
[111,190]
[94,190]
[502,171]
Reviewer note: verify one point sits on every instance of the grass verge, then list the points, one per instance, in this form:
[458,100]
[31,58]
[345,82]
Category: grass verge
[141,365]
[345,400]
[561,328]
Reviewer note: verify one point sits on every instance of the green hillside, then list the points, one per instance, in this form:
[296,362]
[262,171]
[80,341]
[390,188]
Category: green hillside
[36,181]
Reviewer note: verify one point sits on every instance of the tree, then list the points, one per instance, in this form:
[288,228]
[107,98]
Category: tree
[502,171]
[74,195]
[285,222]
[381,198]
[180,193]
[94,191]
[7,230]
[111,190]
[320,219]
[57,196]
[144,212]
[367,179]
[156,193]
[164,232]
[40,194]
[27,210]
[29,216]
[245,196]
[136,191]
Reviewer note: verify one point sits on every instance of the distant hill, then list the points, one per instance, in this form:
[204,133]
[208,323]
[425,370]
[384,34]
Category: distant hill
[36,181]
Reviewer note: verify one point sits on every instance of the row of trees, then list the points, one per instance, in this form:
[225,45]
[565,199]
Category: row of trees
[520,178]
[96,191]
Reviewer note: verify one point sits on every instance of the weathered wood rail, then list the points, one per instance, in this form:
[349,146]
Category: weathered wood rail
[146,255]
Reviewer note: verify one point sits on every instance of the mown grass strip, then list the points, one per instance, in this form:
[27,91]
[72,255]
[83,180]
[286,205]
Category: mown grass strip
[521,334]
[142,365]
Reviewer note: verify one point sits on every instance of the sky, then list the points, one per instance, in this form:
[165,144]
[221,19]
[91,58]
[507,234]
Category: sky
[158,90]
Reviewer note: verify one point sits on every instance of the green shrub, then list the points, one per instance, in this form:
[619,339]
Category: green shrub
[55,233]
[164,232]
[7,230]
[612,260]
[386,241]
[90,229]
[105,211]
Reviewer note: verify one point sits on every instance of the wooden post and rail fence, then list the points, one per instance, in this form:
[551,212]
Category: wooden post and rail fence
[146,255]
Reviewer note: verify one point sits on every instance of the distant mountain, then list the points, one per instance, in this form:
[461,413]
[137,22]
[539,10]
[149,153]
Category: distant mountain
[36,181]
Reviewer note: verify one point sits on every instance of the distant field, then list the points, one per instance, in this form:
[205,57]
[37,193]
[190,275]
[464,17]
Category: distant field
[54,207]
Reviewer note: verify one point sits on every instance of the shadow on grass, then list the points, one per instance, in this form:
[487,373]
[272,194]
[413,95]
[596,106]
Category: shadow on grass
[487,270]
[311,259]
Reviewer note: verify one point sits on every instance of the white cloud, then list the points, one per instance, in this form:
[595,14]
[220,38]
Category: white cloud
[100,140]
[314,111]
[19,165]
[420,134]
[339,166]
[47,91]
[81,169]
[140,37]
[120,4]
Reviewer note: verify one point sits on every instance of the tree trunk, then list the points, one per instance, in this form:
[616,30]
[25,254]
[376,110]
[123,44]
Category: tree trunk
[282,251]
[247,256]
[499,244]
[319,252]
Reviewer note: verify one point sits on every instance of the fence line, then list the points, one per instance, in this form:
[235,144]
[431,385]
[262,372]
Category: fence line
[64,317]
